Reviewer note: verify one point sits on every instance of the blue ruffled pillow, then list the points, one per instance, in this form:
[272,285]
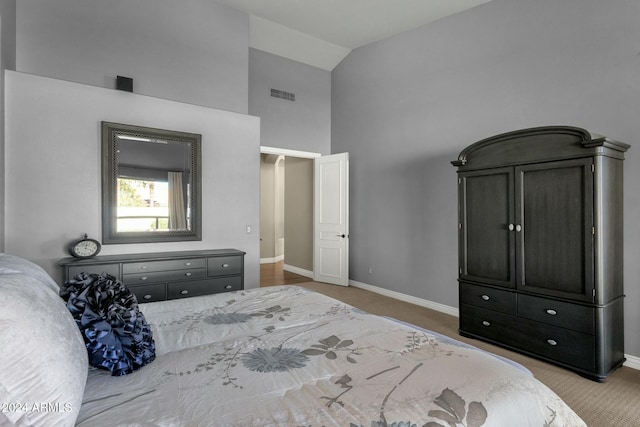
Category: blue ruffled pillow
[117,336]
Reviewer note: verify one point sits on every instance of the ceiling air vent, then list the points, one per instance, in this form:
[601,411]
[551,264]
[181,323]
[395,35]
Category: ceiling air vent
[288,96]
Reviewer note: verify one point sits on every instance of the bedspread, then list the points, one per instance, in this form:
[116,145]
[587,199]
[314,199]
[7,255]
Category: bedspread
[287,356]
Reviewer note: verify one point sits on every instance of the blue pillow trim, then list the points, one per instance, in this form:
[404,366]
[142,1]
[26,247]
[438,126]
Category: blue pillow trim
[116,334]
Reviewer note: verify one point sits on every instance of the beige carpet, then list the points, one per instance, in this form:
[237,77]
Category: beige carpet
[615,402]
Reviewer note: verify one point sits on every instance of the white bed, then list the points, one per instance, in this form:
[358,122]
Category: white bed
[287,356]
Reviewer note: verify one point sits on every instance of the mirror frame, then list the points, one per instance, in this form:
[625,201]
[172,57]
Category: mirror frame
[110,233]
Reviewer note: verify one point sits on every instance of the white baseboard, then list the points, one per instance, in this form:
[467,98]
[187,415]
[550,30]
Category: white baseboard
[407,298]
[631,362]
[298,270]
[271,260]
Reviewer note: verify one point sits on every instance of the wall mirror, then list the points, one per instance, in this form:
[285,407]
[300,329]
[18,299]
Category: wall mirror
[150,185]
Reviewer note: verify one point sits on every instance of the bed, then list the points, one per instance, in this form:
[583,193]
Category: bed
[276,356]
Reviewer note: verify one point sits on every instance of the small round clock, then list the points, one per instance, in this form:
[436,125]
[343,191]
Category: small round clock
[85,248]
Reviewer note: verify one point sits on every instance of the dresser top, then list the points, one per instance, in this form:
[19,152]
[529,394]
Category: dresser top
[152,256]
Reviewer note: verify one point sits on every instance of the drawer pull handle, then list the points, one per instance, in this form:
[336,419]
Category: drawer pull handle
[551,312]
[143,267]
[552,342]
[228,287]
[187,264]
[485,297]
[485,323]
[144,278]
[147,296]
[225,265]
[184,292]
[187,274]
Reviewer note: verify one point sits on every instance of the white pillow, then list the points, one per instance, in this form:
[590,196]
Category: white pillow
[10,264]
[43,361]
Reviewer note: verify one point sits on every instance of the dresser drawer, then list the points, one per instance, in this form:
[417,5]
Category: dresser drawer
[112,269]
[150,266]
[149,293]
[203,287]
[489,298]
[223,265]
[562,314]
[163,276]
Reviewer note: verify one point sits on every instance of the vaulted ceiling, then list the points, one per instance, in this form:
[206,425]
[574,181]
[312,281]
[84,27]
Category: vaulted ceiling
[322,32]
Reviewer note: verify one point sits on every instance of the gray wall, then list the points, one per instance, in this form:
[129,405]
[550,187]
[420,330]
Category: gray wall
[53,163]
[303,125]
[8,16]
[193,51]
[7,61]
[406,106]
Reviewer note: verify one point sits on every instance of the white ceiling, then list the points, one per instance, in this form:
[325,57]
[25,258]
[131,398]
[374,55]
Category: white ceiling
[322,32]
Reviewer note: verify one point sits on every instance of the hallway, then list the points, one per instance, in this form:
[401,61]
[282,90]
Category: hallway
[274,274]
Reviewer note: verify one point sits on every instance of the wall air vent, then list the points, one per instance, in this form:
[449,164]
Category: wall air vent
[288,96]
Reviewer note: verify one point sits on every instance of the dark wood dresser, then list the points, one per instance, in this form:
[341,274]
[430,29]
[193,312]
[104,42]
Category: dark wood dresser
[167,275]
[540,246]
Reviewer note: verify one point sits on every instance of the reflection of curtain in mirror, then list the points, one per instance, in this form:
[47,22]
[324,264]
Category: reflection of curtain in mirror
[177,218]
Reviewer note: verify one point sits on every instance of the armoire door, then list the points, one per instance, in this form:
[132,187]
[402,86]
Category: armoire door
[486,214]
[554,228]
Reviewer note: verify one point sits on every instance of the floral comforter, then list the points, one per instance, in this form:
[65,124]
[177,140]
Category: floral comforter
[287,356]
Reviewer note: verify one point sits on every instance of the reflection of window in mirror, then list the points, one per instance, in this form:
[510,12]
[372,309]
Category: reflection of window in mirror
[142,205]
[149,205]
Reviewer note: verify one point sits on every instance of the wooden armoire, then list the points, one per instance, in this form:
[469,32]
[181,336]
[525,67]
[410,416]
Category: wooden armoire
[540,246]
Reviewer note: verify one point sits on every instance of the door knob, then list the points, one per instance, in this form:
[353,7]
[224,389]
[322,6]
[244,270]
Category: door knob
[518,228]
[511,227]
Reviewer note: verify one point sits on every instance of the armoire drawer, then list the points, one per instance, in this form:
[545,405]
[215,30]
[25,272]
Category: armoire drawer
[489,298]
[195,288]
[565,315]
[488,324]
[163,276]
[563,345]
[150,266]
[149,293]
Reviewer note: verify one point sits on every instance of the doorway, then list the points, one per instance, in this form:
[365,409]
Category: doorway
[286,216]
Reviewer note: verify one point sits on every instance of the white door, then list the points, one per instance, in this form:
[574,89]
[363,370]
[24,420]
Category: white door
[331,219]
